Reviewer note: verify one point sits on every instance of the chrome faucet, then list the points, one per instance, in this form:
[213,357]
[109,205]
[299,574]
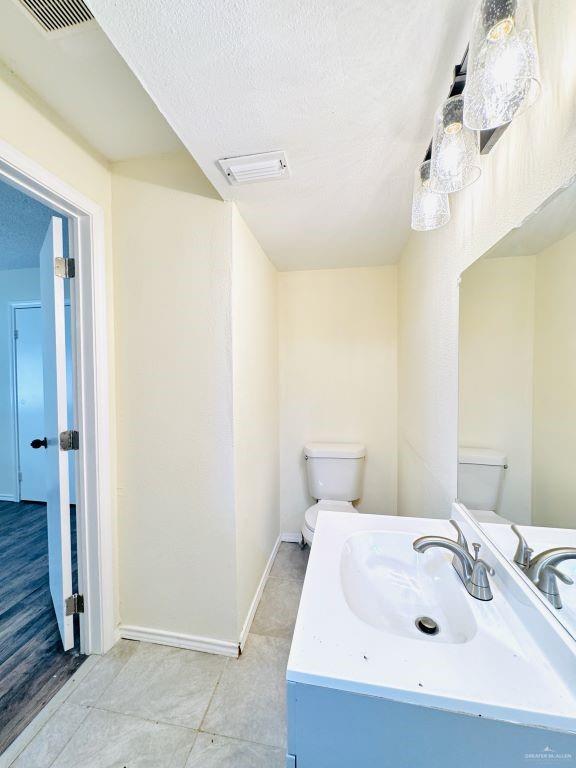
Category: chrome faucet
[472,570]
[542,569]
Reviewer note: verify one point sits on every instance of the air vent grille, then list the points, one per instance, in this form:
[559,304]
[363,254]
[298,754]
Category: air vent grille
[249,169]
[53,15]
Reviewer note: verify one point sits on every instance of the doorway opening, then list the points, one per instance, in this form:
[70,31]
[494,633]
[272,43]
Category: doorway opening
[79,568]
[40,646]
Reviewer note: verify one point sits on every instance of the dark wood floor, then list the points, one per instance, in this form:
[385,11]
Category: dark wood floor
[33,666]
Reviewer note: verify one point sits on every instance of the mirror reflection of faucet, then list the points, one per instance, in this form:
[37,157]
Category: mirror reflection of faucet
[472,570]
[542,569]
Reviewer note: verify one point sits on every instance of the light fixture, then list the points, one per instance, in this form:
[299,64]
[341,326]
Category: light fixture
[455,149]
[430,210]
[503,75]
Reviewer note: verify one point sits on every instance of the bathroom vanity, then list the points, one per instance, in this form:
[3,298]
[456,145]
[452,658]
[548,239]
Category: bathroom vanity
[368,685]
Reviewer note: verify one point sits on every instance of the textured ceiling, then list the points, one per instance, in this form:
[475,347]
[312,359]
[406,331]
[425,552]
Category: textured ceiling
[84,79]
[347,87]
[23,226]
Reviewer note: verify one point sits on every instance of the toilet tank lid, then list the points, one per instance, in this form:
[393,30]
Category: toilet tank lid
[334,450]
[486,456]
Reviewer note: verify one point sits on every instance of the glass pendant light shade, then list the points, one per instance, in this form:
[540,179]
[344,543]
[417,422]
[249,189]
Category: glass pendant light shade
[430,210]
[503,76]
[455,149]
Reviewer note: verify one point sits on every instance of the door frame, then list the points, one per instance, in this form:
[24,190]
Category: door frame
[89,320]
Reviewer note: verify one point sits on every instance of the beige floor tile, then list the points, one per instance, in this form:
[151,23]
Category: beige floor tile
[290,562]
[220,752]
[249,703]
[276,614]
[104,673]
[170,685]
[53,737]
[109,740]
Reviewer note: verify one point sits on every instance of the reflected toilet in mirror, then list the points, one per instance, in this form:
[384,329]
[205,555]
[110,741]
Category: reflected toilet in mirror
[517,400]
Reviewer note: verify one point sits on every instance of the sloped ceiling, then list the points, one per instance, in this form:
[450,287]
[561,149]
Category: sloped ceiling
[347,88]
[83,78]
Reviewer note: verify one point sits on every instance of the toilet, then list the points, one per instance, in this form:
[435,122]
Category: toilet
[481,473]
[335,473]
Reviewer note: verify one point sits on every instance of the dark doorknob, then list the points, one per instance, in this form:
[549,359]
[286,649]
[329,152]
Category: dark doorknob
[39,443]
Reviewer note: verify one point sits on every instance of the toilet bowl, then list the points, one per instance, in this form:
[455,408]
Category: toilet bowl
[311,515]
[334,472]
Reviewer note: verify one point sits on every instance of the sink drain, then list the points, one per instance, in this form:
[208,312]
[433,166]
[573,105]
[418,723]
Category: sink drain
[427,625]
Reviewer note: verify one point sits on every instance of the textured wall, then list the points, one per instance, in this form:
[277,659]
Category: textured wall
[255,376]
[534,157]
[172,249]
[338,378]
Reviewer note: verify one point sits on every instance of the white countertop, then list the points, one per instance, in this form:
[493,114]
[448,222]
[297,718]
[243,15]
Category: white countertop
[500,672]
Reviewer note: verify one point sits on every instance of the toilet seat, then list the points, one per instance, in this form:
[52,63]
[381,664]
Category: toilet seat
[311,515]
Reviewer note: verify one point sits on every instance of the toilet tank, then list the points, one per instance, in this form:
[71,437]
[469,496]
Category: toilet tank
[335,470]
[481,477]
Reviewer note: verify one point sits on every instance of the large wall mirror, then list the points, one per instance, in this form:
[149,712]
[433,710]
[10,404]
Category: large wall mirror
[517,423]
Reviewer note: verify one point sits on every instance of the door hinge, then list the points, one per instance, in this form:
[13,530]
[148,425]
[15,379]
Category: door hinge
[69,440]
[19,477]
[16,334]
[65,268]
[74,604]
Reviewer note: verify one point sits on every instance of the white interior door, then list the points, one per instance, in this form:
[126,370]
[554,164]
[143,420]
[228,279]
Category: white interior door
[55,422]
[30,401]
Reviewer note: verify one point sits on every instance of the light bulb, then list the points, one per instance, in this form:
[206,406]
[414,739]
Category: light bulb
[503,77]
[430,210]
[455,159]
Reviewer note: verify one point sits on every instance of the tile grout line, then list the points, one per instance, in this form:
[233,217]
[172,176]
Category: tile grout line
[79,676]
[71,736]
[82,706]
[242,741]
[224,667]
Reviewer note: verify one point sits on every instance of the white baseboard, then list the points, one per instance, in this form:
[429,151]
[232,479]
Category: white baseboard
[292,538]
[206,644]
[7,497]
[177,640]
[258,595]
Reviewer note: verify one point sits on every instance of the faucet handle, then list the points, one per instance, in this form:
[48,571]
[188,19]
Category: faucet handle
[559,575]
[461,538]
[523,553]
[478,560]
[479,583]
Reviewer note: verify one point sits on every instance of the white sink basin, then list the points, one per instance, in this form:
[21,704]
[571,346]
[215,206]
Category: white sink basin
[388,585]
[355,631]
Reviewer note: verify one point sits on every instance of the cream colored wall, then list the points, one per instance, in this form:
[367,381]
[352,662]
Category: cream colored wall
[255,376]
[496,370]
[535,156]
[337,378]
[172,248]
[554,489]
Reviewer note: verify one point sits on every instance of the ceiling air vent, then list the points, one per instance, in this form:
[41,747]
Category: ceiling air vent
[54,15]
[249,169]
